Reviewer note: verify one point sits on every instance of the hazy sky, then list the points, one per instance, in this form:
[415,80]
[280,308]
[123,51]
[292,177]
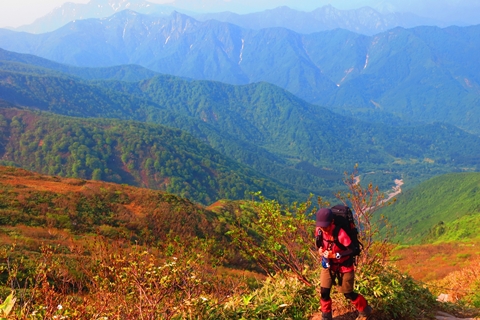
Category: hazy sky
[14,13]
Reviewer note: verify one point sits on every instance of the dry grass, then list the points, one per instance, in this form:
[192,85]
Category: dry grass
[31,182]
[432,262]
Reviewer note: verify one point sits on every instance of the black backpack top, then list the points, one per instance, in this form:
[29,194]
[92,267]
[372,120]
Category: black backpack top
[343,219]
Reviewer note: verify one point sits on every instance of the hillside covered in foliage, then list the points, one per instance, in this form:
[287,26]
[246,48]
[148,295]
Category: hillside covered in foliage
[443,209]
[134,153]
[82,249]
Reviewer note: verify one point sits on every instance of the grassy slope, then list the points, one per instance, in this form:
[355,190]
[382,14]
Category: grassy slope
[429,262]
[442,209]
[438,223]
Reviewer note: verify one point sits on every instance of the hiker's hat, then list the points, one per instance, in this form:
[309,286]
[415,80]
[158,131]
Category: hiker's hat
[324,217]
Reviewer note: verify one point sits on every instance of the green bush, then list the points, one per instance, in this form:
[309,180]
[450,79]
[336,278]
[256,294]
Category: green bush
[394,294]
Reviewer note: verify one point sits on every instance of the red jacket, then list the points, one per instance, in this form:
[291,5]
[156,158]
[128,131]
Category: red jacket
[329,244]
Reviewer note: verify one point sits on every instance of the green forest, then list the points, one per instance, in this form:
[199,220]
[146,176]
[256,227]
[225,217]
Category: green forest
[135,153]
[443,209]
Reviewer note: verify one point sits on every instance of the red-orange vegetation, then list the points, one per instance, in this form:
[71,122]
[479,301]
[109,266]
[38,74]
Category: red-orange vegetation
[435,261]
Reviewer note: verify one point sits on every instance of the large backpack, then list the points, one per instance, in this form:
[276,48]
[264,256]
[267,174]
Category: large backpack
[343,219]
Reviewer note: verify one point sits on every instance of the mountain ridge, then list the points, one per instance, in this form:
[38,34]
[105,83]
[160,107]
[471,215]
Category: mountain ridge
[365,20]
[69,12]
[422,74]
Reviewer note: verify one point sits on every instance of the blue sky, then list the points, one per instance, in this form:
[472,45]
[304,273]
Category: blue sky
[15,13]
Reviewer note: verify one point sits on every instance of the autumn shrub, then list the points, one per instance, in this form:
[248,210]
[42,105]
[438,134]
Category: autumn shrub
[113,279]
[277,237]
[393,294]
[31,279]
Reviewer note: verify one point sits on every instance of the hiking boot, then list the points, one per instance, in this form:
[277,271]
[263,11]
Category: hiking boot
[327,316]
[365,314]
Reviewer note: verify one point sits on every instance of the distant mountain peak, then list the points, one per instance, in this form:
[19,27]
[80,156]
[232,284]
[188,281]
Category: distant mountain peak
[281,8]
[94,9]
[118,5]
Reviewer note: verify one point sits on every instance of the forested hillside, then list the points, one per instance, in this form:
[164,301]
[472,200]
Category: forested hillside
[134,153]
[62,94]
[45,66]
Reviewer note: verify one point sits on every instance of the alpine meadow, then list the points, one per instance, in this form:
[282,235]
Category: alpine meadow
[178,160]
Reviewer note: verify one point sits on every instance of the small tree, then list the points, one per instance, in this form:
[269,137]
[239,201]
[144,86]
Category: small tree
[280,238]
[276,237]
[365,201]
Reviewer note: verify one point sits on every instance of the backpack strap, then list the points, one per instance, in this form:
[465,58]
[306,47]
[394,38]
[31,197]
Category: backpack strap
[319,239]
[336,231]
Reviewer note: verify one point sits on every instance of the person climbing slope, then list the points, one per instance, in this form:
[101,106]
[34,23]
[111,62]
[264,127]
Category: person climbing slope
[338,252]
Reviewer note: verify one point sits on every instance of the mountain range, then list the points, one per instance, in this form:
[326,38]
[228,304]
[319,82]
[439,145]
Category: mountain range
[364,20]
[70,11]
[424,74]
[299,146]
[96,114]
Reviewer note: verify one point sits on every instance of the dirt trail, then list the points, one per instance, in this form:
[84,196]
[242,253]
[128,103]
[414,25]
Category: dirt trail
[445,316]
[352,315]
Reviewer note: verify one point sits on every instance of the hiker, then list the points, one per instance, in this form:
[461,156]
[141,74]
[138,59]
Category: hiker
[338,266]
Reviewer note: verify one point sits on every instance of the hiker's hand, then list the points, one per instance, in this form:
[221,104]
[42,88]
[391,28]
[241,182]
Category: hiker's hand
[322,252]
[328,254]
